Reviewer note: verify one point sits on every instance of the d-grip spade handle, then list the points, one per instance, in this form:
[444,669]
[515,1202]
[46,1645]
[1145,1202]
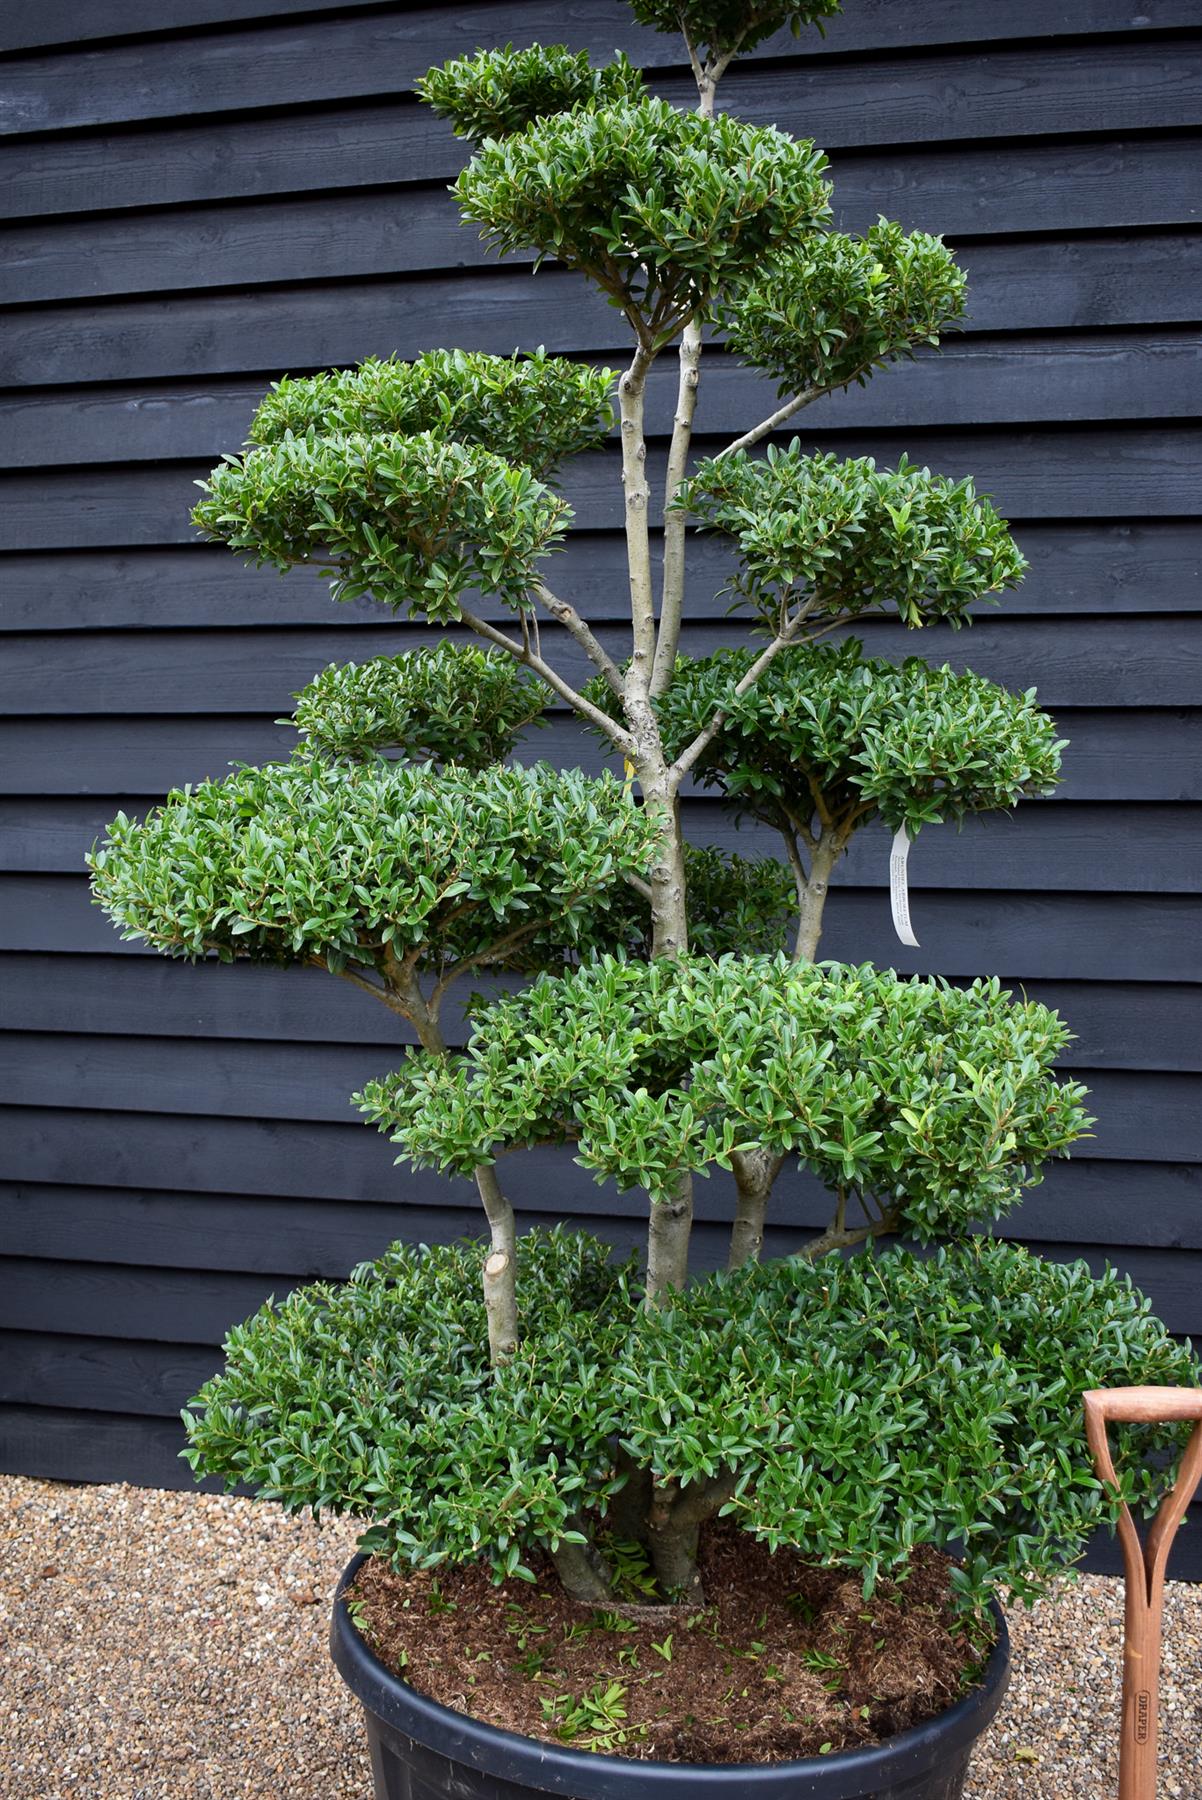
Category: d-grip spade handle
[1144,1565]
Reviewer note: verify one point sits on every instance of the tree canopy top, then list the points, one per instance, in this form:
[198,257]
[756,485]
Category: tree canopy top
[497,92]
[659,208]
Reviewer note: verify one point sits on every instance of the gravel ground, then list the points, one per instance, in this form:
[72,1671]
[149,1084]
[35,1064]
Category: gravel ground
[162,1646]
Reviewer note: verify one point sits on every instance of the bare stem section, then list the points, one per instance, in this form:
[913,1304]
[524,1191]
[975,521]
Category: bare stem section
[675,518]
[500,1267]
[812,897]
[500,1299]
[755,1173]
[668,1235]
[636,491]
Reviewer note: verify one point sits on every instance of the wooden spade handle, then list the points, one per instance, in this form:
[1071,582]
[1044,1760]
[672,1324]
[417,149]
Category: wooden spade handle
[1145,1405]
[1145,1566]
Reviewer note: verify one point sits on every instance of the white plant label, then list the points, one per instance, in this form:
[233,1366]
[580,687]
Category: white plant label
[899,891]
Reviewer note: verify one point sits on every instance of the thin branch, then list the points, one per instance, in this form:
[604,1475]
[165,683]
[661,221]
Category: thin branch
[566,615]
[786,412]
[801,877]
[676,521]
[701,743]
[838,1237]
[494,952]
[377,992]
[776,419]
[694,59]
[639,885]
[801,827]
[637,495]
[520,653]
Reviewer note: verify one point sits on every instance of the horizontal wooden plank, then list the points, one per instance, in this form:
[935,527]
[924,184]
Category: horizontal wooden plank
[937,96]
[1152,1117]
[179,1308]
[1118,1025]
[260,1157]
[34,24]
[56,1444]
[174,1306]
[1015,284]
[965,192]
[303,1238]
[873,24]
[1116,1206]
[383,231]
[1000,92]
[1049,379]
[1129,755]
[1094,567]
[47,1368]
[1089,472]
[1066,847]
[1097,664]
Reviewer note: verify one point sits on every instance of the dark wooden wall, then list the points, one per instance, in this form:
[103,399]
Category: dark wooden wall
[193,210]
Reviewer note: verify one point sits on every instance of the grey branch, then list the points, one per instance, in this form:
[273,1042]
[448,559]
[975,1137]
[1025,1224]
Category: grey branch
[524,654]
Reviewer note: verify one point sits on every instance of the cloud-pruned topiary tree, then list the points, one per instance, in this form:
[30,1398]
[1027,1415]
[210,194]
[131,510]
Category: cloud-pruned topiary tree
[548,1396]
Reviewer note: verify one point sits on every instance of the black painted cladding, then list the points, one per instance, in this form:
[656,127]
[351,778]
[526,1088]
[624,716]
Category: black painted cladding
[192,208]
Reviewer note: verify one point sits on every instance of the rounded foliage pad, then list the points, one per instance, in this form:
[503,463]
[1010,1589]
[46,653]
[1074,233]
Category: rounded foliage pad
[832,309]
[933,1103]
[825,724]
[726,26]
[656,206]
[532,409]
[417,522]
[820,537]
[455,703]
[312,860]
[498,92]
[843,1400]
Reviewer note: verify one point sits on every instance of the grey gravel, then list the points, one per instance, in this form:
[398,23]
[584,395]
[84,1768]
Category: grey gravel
[164,1646]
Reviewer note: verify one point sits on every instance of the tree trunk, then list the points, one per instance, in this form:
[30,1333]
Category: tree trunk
[755,1174]
[674,1558]
[673,1526]
[668,1242]
[582,1571]
[669,892]
[630,1506]
[809,920]
[500,1305]
[671,1221]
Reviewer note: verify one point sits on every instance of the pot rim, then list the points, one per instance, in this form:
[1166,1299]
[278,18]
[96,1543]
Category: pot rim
[593,1775]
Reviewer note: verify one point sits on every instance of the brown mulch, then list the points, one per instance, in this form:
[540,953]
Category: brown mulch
[785,1659]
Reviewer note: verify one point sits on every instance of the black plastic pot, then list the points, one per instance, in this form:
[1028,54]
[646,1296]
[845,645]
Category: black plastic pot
[423,1751]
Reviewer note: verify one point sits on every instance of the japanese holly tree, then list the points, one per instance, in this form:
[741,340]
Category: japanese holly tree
[670,1018]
